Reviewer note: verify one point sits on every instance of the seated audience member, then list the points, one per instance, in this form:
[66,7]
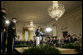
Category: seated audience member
[31,42]
[57,42]
[75,39]
[54,41]
[51,43]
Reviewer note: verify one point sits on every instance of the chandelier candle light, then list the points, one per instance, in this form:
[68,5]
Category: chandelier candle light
[56,10]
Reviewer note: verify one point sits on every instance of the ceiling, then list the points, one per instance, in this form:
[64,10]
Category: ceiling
[34,10]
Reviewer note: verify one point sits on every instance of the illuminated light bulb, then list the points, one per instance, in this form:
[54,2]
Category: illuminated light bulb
[48,29]
[7,21]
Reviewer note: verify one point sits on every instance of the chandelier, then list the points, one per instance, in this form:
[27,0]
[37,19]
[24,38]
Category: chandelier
[31,26]
[56,10]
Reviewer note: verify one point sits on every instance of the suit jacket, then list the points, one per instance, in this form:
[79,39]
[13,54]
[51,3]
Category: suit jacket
[3,20]
[12,29]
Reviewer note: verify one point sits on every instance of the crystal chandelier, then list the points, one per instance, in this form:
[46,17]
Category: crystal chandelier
[56,10]
[31,23]
[31,26]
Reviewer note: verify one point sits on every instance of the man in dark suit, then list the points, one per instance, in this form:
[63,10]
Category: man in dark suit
[3,30]
[11,35]
[3,18]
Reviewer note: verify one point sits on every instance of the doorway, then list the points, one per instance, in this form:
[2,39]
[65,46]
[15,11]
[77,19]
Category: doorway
[26,34]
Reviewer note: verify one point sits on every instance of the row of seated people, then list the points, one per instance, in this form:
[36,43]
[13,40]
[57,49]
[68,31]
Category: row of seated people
[58,42]
[50,40]
[29,43]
